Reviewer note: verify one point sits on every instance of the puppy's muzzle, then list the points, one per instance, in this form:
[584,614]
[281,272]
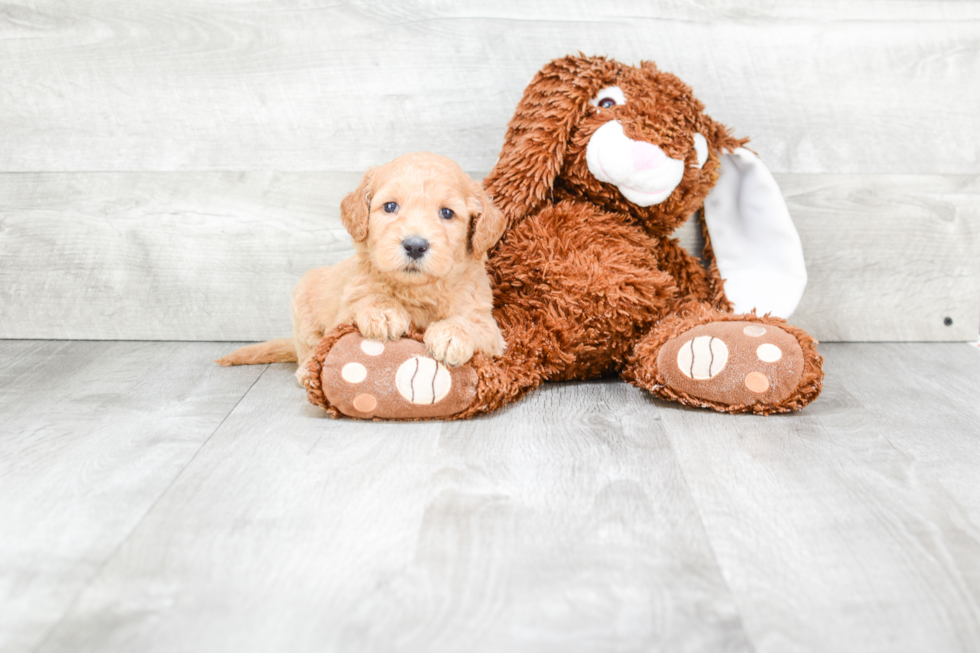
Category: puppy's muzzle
[415,247]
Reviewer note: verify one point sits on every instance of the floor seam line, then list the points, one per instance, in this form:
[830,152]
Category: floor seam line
[707,536]
[115,551]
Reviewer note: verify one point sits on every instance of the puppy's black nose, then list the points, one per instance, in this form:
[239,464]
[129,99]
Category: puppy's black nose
[415,247]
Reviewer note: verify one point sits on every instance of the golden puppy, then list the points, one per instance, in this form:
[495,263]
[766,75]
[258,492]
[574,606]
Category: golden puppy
[421,230]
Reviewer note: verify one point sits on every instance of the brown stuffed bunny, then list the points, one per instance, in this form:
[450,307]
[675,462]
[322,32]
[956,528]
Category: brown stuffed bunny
[600,164]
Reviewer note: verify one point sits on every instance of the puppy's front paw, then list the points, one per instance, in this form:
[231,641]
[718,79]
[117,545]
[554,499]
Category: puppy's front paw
[302,376]
[382,323]
[302,370]
[449,343]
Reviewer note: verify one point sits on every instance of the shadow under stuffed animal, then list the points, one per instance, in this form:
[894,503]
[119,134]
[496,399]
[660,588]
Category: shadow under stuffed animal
[600,164]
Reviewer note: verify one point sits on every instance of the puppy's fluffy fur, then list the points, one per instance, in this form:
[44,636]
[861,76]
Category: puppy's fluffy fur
[383,288]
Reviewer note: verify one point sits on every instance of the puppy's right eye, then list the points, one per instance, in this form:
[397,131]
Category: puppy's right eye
[390,207]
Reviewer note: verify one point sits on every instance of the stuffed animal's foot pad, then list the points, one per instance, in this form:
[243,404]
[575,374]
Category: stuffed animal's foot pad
[393,380]
[733,363]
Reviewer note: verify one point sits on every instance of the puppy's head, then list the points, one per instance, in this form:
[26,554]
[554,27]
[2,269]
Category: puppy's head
[421,217]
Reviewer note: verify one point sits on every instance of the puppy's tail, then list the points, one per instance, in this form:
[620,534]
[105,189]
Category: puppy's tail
[273,351]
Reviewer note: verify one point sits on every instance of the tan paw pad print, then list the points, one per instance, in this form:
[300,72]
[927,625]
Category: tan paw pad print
[393,380]
[733,363]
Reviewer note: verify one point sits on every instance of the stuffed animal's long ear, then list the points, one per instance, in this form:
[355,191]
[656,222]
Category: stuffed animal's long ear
[537,135]
[487,222]
[356,206]
[756,246]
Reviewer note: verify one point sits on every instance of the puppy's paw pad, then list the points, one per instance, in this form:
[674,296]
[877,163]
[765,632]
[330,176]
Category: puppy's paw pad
[396,379]
[733,363]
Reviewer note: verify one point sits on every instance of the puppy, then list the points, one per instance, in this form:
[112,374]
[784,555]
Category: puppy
[421,230]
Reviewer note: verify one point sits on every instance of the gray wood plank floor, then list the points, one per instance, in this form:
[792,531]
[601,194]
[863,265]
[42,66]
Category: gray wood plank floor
[151,501]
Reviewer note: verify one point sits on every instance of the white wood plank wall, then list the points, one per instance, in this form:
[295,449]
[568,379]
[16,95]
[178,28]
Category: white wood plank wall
[169,169]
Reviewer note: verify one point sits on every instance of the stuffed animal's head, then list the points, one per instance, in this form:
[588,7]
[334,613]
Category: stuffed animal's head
[629,139]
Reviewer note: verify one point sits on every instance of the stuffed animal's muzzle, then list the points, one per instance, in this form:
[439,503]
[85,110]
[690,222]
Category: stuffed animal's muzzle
[642,172]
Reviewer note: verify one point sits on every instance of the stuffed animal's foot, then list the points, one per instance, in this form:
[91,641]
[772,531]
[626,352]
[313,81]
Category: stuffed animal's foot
[396,379]
[733,365]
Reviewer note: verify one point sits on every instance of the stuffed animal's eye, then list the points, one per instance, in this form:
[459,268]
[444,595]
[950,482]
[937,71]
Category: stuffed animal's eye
[608,98]
[390,207]
[447,214]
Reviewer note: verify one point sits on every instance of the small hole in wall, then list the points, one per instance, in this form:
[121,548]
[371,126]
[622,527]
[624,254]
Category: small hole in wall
[948,321]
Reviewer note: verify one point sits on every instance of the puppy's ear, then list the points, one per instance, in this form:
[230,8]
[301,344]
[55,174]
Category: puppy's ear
[487,222]
[537,136]
[354,208]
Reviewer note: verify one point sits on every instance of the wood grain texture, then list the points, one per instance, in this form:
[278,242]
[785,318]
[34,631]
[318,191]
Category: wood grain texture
[940,441]
[214,256]
[174,256]
[889,257]
[562,524]
[92,435]
[587,517]
[863,87]
[849,527]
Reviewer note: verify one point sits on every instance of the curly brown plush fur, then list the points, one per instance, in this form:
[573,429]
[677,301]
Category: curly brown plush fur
[587,283]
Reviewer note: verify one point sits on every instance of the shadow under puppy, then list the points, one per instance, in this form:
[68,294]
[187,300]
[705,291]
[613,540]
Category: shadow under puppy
[421,230]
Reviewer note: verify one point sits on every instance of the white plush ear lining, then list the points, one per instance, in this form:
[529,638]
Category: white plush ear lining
[757,248]
[700,149]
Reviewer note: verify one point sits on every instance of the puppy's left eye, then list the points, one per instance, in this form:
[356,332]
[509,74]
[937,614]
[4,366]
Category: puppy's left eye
[447,214]
[390,207]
